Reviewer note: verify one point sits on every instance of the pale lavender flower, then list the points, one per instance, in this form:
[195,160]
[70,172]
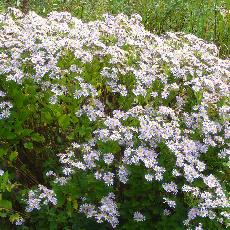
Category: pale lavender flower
[138,217]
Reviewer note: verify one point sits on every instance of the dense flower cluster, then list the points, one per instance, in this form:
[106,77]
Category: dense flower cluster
[174,91]
[41,196]
[106,212]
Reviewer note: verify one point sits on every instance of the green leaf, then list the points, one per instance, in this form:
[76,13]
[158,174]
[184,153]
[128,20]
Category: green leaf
[26,132]
[64,121]
[109,147]
[69,207]
[5,204]
[13,156]
[37,137]
[2,153]
[28,145]
[46,116]
[14,217]
[75,204]
[11,136]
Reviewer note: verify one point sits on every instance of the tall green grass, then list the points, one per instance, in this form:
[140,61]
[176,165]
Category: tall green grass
[200,17]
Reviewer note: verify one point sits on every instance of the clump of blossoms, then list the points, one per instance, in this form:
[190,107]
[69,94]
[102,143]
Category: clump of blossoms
[107,211]
[41,196]
[160,103]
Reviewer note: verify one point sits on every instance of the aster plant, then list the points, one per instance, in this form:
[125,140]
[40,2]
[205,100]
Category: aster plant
[106,125]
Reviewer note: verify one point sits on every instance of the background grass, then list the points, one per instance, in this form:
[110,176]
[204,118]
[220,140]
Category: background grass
[204,18]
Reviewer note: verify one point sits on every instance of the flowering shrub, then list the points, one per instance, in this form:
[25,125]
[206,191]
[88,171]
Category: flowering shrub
[104,124]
